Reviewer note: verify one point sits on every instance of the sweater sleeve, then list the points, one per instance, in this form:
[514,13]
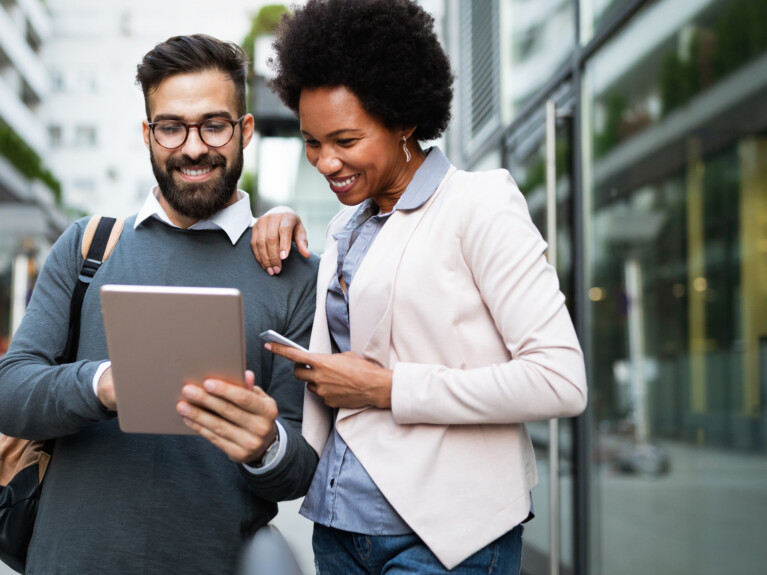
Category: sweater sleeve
[41,399]
[291,477]
[546,376]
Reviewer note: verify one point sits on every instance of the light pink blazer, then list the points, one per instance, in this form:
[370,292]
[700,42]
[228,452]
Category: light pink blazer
[458,299]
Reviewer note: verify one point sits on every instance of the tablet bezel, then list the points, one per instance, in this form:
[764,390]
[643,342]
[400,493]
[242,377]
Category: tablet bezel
[161,337]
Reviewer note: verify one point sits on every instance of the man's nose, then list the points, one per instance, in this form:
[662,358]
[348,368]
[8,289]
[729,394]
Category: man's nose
[194,147]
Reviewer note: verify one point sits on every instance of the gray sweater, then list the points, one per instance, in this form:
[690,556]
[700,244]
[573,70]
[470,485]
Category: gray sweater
[144,504]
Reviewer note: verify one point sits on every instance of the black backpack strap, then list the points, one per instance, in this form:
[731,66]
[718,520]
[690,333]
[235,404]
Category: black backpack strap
[97,249]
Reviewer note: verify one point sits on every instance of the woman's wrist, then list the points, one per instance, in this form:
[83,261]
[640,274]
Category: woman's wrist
[383,387]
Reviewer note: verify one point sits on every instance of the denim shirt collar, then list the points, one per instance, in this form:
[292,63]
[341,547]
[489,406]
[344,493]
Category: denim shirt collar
[424,183]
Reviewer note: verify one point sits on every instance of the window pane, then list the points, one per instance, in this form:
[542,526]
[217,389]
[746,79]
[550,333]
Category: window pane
[675,176]
[595,14]
[538,38]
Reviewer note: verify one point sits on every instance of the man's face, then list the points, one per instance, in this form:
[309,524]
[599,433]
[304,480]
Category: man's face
[195,179]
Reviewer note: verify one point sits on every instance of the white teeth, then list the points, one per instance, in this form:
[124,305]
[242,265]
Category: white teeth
[342,183]
[188,172]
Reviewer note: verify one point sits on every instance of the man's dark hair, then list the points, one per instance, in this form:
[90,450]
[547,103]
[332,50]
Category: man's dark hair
[383,51]
[191,54]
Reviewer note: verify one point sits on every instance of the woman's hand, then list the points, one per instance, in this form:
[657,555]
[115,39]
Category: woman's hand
[340,379]
[271,237]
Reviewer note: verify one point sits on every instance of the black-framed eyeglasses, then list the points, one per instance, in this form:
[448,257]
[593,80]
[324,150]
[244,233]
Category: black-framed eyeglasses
[214,132]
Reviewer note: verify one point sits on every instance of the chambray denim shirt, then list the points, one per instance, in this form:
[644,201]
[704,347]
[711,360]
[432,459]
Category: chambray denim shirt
[342,494]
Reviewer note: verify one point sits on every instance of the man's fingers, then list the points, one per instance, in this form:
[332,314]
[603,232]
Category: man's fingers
[239,421]
[253,399]
[234,450]
[224,418]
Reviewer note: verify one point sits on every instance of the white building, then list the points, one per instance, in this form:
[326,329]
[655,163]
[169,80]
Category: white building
[95,110]
[29,216]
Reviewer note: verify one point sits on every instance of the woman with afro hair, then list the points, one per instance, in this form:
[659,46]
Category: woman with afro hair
[440,328]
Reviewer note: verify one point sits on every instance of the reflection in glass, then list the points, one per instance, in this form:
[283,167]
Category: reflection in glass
[595,14]
[539,38]
[675,176]
[527,164]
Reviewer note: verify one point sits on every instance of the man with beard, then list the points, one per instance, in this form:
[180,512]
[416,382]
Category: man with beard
[114,502]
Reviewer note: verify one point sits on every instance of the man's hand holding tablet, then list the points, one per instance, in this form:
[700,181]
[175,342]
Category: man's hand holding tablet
[178,367]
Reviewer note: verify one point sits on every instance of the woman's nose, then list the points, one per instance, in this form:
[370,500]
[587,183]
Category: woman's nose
[328,163]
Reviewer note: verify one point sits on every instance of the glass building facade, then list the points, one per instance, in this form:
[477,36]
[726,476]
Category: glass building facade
[655,160]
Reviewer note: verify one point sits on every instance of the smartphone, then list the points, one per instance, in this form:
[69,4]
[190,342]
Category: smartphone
[274,337]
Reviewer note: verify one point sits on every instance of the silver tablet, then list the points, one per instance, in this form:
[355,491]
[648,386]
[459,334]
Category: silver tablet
[161,337]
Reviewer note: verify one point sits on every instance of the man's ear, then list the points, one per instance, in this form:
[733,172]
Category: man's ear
[248,127]
[146,130]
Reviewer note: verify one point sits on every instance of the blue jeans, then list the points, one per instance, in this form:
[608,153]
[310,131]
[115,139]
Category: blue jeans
[339,552]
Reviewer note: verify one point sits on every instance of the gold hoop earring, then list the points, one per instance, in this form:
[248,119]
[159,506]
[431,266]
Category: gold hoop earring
[404,149]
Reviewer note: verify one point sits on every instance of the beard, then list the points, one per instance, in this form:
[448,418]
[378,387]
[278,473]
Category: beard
[198,201]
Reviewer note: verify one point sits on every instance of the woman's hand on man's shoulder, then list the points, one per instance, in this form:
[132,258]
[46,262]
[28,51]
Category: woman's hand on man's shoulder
[272,235]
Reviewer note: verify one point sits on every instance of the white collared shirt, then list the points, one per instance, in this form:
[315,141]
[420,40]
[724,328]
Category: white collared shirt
[234,219]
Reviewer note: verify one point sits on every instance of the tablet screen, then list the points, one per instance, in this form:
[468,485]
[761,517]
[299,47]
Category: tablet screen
[160,338]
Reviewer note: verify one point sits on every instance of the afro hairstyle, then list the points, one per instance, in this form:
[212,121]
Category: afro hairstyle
[384,51]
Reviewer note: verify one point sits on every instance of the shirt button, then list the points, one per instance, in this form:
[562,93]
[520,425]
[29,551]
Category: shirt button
[332,481]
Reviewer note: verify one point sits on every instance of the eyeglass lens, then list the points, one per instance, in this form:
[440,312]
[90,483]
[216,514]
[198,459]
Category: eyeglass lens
[214,132]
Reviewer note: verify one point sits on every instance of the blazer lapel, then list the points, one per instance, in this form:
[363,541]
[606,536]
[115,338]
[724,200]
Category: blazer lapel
[320,340]
[370,324]
[318,417]
[374,281]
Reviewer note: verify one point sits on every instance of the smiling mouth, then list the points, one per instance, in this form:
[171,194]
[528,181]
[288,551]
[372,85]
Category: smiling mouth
[338,185]
[196,171]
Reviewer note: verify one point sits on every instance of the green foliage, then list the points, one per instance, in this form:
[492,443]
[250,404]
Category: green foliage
[680,79]
[265,22]
[534,177]
[248,183]
[26,160]
[536,174]
[72,213]
[737,35]
[741,33]
[615,107]
[50,180]
[267,19]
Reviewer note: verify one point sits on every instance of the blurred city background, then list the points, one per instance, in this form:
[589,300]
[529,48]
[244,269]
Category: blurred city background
[646,123]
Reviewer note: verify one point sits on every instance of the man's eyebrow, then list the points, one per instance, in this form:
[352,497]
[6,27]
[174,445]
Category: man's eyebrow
[217,114]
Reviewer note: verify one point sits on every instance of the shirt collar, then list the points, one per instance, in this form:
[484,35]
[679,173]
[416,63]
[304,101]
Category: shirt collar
[423,185]
[425,181]
[234,219]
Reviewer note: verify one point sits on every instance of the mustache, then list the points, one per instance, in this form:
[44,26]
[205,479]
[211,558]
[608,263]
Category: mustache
[201,162]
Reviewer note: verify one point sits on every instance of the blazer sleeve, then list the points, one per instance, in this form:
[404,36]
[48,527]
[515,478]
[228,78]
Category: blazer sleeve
[545,377]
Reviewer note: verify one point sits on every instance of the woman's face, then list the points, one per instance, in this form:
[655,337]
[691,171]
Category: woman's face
[359,156]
